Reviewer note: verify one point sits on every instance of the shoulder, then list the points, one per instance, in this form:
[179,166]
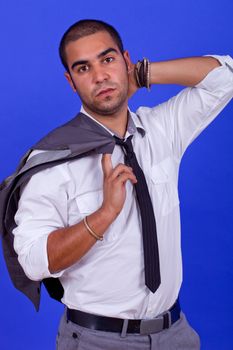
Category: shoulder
[149,117]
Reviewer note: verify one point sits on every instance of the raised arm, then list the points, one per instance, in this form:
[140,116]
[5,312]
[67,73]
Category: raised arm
[182,71]
[184,116]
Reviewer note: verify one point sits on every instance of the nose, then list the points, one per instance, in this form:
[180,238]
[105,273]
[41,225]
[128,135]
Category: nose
[100,74]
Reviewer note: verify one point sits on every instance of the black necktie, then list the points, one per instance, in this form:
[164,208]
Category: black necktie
[150,243]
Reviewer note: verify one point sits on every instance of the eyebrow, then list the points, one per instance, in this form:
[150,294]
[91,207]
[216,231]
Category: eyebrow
[101,54]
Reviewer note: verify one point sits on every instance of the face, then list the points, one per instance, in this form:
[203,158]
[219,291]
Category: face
[98,73]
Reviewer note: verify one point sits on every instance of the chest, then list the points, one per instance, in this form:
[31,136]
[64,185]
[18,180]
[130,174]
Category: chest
[154,157]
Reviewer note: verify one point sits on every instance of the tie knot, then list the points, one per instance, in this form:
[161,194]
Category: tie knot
[127,144]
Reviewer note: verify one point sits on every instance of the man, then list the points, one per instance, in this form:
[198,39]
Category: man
[84,222]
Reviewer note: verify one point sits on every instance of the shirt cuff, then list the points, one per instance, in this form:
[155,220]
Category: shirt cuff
[219,77]
[35,263]
[224,60]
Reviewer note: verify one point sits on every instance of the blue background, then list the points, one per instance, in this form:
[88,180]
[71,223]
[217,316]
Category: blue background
[35,98]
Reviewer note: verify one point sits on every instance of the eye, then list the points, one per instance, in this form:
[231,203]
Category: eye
[109,59]
[83,69]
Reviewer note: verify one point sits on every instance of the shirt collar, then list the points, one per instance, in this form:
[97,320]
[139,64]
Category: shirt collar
[134,124]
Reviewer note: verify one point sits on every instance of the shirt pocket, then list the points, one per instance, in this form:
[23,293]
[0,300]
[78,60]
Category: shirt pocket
[88,203]
[164,186]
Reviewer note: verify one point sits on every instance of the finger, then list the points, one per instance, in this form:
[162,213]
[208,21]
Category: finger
[121,168]
[106,164]
[123,177]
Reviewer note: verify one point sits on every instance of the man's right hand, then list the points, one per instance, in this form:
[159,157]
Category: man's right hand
[114,191]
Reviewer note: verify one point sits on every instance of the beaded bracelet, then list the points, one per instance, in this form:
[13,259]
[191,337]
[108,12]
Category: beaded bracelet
[142,73]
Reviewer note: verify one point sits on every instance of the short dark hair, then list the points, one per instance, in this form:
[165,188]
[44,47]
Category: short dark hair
[84,28]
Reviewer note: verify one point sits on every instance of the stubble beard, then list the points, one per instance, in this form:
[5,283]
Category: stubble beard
[107,106]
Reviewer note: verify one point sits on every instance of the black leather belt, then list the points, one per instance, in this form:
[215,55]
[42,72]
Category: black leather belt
[111,324]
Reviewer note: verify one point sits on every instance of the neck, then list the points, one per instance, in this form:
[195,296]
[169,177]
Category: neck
[116,121]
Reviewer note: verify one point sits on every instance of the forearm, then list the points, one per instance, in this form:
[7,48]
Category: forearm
[184,71]
[66,246]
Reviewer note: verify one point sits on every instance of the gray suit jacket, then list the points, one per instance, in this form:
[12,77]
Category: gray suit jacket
[79,137]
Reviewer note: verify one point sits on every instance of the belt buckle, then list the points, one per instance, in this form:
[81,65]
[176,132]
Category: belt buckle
[155,325]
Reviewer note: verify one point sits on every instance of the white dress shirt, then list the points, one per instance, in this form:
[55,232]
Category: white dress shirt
[109,279]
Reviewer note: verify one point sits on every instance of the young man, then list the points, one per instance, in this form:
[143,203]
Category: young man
[88,221]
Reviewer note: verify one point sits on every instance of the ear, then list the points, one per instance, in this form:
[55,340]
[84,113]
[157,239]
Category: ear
[128,61]
[70,81]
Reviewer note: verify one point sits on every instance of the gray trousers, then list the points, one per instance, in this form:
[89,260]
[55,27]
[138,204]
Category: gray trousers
[180,336]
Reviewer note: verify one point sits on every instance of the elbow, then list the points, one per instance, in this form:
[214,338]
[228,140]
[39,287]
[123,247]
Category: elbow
[53,268]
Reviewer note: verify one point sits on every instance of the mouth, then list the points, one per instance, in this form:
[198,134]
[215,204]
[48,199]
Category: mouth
[105,92]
